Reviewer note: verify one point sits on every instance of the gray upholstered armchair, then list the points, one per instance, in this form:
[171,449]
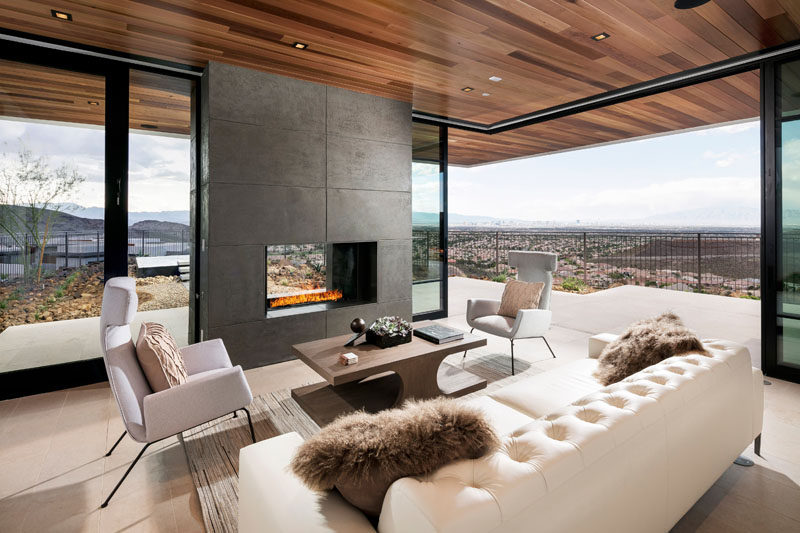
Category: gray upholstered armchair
[214,388]
[529,323]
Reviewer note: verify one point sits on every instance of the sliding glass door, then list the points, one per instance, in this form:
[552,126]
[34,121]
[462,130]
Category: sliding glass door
[68,124]
[52,217]
[782,242]
[429,221]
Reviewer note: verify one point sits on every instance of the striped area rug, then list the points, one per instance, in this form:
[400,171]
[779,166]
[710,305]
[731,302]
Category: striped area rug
[213,449]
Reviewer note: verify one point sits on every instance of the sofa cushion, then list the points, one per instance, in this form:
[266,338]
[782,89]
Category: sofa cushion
[159,357]
[520,295]
[504,419]
[495,324]
[541,394]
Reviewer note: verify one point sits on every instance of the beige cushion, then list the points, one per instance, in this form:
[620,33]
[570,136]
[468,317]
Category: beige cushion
[520,295]
[159,357]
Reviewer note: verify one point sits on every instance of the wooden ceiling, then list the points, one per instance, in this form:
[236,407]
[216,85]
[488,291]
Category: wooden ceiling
[425,51]
[157,103]
[725,100]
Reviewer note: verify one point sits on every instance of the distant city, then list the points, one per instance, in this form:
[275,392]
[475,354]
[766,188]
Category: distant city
[728,219]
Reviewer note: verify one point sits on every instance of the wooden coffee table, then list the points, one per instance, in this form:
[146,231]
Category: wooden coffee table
[382,378]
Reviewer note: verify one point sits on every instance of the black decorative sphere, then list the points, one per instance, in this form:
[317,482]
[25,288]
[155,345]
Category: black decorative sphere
[358,325]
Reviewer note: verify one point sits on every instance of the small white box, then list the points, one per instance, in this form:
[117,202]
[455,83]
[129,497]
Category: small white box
[348,358]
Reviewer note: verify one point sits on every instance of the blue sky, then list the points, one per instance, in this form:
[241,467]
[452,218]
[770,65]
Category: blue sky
[717,168]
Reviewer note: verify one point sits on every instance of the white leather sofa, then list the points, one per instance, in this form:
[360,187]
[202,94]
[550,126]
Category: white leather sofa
[575,456]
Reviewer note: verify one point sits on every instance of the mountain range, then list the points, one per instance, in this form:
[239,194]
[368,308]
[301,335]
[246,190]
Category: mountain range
[85,220]
[734,216]
[180,217]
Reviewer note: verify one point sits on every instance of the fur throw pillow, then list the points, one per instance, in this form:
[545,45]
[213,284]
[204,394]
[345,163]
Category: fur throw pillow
[645,343]
[362,454]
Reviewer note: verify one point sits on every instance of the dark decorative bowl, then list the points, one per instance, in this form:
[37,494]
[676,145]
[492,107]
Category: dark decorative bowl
[387,341]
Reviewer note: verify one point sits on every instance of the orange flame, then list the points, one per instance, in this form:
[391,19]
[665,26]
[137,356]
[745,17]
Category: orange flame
[294,299]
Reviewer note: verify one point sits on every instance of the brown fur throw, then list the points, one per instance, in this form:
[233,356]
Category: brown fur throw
[645,343]
[362,454]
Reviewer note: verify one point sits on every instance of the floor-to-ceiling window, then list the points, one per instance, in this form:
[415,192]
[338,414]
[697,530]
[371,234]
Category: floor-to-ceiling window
[784,360]
[429,220]
[159,183]
[52,211]
[72,130]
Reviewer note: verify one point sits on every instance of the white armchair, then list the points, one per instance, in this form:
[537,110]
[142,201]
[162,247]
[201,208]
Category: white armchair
[215,387]
[529,323]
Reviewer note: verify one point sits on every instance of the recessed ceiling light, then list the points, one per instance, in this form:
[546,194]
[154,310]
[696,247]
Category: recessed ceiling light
[689,4]
[600,36]
[60,15]
[486,94]
[149,126]
[93,102]
[495,78]
[467,89]
[300,46]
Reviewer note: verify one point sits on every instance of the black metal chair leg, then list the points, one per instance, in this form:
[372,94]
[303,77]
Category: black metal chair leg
[465,351]
[128,471]
[549,348]
[757,445]
[250,422]
[512,357]
[117,443]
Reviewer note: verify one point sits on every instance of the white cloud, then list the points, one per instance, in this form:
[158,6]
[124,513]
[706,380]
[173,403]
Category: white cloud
[730,128]
[159,166]
[738,128]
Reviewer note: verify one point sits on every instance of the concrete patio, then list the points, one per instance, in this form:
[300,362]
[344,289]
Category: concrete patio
[575,318]
[50,343]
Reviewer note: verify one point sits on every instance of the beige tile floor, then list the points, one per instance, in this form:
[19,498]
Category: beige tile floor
[53,475]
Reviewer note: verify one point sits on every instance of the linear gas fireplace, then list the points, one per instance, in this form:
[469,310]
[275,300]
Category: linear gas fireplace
[304,278]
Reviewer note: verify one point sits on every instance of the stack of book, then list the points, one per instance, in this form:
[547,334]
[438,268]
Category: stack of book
[439,334]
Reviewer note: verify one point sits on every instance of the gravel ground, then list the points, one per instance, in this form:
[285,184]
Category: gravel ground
[165,295]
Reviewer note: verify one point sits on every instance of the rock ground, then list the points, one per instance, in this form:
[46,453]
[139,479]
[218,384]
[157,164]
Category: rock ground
[78,293]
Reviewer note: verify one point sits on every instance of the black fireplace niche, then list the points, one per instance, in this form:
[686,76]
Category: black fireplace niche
[305,278]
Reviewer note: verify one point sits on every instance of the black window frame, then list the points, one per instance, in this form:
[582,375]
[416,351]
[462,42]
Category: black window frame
[115,69]
[443,273]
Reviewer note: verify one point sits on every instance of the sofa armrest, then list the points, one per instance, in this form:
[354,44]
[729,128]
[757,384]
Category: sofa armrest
[271,498]
[598,342]
[478,307]
[531,323]
[195,402]
[204,356]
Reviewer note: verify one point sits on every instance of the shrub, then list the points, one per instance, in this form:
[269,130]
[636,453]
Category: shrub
[573,285]
[500,278]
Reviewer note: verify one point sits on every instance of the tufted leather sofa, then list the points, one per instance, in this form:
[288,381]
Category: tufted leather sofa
[575,456]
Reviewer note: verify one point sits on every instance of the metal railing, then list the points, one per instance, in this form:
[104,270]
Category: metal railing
[719,263]
[74,249]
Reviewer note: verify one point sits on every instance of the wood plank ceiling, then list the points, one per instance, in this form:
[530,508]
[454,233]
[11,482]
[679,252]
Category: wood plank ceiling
[425,51]
[157,103]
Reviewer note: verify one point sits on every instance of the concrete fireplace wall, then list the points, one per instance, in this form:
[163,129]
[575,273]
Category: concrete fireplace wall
[287,161]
